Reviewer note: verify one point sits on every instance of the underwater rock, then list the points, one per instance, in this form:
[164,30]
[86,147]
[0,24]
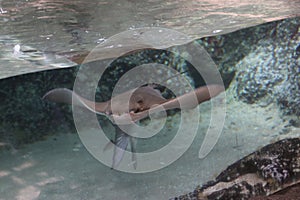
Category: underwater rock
[227,50]
[288,94]
[262,173]
[269,66]
[25,118]
[291,193]
[120,66]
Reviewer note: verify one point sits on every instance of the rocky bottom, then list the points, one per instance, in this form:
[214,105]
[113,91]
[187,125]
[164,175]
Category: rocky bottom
[264,173]
[291,193]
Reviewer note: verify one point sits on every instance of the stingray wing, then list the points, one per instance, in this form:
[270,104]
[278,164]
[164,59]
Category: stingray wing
[186,101]
[64,95]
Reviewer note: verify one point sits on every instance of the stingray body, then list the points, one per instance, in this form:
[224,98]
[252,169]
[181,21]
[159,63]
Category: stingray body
[129,107]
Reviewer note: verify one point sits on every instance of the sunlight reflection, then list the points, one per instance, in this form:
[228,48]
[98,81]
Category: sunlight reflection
[50,180]
[28,193]
[4,173]
[18,180]
[23,166]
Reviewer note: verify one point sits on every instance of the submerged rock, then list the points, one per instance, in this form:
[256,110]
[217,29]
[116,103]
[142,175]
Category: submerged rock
[262,173]
[288,94]
[270,72]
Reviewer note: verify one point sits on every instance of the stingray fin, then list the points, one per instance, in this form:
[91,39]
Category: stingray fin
[108,145]
[187,101]
[121,143]
[64,95]
[133,141]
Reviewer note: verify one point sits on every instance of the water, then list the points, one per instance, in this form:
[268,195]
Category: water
[41,154]
[55,28]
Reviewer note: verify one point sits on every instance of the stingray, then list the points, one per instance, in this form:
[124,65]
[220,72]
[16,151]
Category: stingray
[132,106]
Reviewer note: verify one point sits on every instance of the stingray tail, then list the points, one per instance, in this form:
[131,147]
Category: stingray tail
[133,151]
[121,143]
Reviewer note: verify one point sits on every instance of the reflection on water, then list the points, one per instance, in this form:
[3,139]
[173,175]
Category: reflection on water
[46,25]
[67,25]
[60,27]
[52,27]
